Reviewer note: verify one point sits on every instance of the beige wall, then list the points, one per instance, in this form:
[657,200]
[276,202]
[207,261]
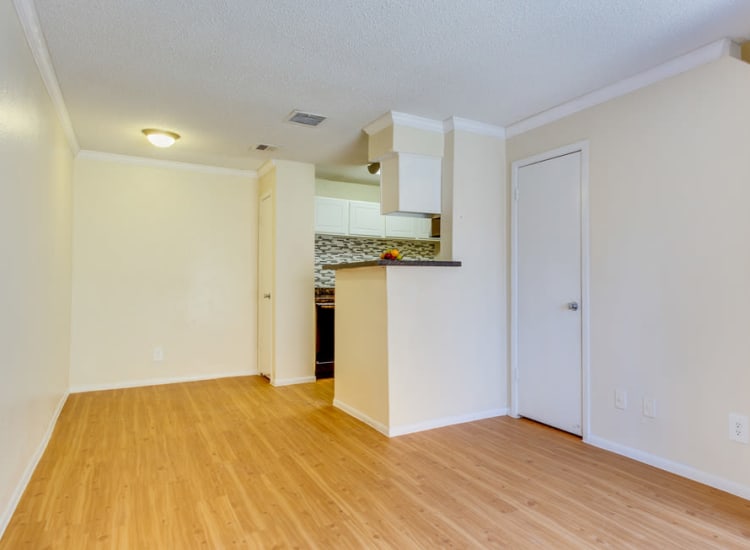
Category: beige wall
[362,345]
[669,196]
[292,185]
[465,308]
[347,190]
[161,257]
[440,333]
[35,219]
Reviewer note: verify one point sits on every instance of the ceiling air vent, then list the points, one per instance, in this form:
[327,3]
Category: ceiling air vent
[305,119]
[264,147]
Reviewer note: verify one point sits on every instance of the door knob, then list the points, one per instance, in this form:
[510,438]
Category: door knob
[573,306]
[267,295]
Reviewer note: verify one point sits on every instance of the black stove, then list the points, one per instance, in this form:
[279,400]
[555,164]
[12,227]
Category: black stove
[325,308]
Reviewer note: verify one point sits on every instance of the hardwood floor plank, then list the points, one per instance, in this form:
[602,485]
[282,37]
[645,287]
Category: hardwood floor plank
[236,463]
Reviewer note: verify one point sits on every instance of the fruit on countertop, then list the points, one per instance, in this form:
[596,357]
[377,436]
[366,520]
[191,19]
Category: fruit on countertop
[392,254]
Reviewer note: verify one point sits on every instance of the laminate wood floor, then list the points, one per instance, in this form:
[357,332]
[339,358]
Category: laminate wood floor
[236,463]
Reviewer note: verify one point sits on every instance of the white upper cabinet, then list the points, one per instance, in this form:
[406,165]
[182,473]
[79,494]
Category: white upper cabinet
[365,219]
[331,216]
[400,226]
[410,184]
[422,228]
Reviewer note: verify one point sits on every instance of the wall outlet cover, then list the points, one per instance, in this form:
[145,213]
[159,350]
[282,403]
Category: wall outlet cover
[158,354]
[738,428]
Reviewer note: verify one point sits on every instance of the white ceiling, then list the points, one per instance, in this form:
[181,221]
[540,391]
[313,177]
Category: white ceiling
[225,74]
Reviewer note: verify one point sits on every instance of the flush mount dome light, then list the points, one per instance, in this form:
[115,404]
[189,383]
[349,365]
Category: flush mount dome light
[160,138]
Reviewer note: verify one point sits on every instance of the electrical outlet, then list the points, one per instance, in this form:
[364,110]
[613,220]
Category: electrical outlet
[158,354]
[621,399]
[649,407]
[738,428]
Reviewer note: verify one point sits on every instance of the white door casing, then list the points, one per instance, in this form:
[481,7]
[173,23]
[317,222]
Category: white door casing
[265,287]
[549,279]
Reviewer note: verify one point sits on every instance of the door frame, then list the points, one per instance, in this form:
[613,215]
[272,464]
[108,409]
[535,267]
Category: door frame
[272,352]
[583,148]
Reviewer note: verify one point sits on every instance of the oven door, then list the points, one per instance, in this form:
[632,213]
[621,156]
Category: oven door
[324,339]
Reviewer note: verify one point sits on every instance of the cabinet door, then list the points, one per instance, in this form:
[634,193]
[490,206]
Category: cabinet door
[331,216]
[400,226]
[365,219]
[422,228]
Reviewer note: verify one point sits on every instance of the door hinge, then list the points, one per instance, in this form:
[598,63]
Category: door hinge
[515,193]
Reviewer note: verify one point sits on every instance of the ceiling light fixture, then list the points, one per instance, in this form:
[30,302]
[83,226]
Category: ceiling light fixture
[373,168]
[160,138]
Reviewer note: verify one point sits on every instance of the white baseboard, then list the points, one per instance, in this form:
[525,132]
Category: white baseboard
[445,421]
[156,381]
[678,468]
[290,381]
[420,426]
[379,426]
[30,467]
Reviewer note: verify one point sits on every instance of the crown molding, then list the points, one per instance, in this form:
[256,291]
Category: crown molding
[159,163]
[700,56]
[403,119]
[380,123]
[32,29]
[418,122]
[473,126]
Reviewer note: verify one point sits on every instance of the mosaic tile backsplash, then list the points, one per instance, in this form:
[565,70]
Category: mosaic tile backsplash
[334,249]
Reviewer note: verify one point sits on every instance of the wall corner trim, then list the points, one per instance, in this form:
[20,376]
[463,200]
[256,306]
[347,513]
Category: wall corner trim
[7,514]
[700,56]
[159,163]
[29,19]
[678,468]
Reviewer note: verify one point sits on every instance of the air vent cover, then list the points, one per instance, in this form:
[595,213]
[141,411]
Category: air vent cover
[265,147]
[305,119]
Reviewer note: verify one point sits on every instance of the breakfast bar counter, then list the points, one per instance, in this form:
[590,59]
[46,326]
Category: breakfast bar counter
[389,316]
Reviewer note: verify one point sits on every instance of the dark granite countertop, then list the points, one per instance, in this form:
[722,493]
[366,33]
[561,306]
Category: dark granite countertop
[395,263]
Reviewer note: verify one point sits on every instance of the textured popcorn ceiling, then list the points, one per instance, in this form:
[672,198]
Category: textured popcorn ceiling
[226,73]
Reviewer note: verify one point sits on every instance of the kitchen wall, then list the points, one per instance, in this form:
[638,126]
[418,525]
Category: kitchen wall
[347,190]
[335,249]
[35,228]
[164,255]
[669,226]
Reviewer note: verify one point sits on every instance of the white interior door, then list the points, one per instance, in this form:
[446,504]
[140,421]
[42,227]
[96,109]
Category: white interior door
[265,286]
[549,292]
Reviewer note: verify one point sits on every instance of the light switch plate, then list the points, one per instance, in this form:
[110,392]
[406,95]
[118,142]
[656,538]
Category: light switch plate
[649,407]
[621,399]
